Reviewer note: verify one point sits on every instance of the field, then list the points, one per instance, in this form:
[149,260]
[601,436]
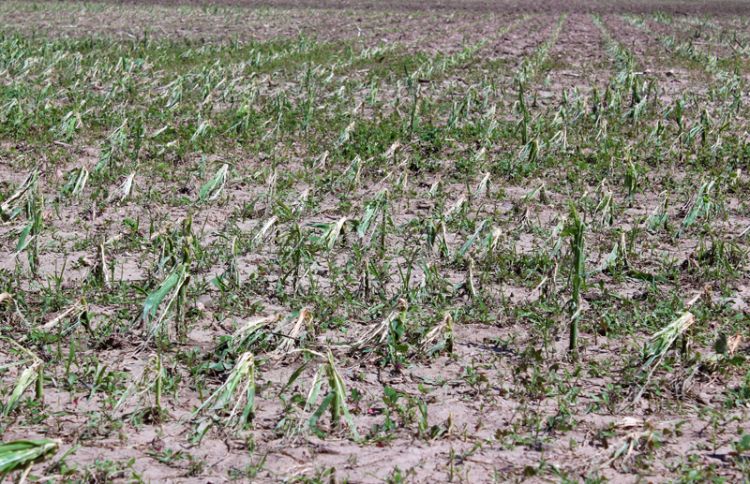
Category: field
[358,241]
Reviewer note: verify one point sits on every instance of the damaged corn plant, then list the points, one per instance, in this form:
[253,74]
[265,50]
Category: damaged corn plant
[499,243]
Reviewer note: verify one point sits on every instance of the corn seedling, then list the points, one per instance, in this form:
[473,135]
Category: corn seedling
[28,239]
[148,389]
[263,232]
[378,333]
[212,189]
[33,373]
[76,183]
[233,402]
[440,337]
[461,253]
[658,345]
[22,454]
[124,190]
[334,401]
[12,206]
[659,217]
[290,338]
[575,230]
[170,291]
[330,233]
[701,205]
